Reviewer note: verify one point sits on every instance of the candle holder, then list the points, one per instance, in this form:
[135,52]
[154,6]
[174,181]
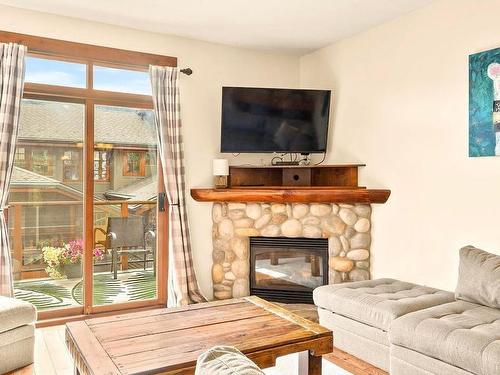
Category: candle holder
[220,172]
[220,182]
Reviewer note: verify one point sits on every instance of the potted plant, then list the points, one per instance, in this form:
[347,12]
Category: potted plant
[65,261]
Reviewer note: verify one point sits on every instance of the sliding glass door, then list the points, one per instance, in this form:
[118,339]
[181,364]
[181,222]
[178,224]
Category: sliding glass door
[125,209]
[86,231]
[46,204]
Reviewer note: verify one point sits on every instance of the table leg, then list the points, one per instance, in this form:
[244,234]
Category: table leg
[315,363]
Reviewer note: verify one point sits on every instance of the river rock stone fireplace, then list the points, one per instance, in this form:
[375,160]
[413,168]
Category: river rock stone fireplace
[346,227]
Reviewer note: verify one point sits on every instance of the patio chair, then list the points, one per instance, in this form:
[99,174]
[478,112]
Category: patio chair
[125,235]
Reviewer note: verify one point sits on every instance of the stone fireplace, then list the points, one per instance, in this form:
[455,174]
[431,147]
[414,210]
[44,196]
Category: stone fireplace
[345,226]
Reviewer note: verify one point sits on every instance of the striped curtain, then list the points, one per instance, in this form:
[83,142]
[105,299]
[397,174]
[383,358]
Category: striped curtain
[12,63]
[182,284]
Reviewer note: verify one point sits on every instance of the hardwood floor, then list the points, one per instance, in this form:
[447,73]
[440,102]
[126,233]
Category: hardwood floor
[52,357]
[353,365]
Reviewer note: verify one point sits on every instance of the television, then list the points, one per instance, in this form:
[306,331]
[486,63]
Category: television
[274,120]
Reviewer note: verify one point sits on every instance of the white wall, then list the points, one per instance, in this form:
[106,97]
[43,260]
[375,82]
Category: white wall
[401,106]
[214,66]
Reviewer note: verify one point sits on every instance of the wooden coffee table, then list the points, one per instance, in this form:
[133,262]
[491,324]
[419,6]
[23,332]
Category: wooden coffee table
[168,341]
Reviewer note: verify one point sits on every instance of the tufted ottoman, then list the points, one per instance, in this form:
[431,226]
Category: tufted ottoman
[17,333]
[457,338]
[361,313]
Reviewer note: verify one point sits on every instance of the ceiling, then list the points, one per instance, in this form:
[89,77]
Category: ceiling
[296,26]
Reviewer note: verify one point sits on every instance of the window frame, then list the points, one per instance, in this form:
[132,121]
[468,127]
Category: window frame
[153,159]
[29,160]
[106,161]
[91,55]
[142,164]
[24,159]
[51,161]
[78,164]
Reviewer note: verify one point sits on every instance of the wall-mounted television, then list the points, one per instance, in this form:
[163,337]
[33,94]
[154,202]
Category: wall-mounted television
[274,120]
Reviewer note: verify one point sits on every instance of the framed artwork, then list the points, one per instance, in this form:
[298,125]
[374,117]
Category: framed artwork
[484,103]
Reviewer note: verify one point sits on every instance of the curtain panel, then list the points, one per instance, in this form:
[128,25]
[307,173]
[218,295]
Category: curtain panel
[183,287]
[12,67]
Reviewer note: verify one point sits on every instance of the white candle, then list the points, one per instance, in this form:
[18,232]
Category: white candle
[220,167]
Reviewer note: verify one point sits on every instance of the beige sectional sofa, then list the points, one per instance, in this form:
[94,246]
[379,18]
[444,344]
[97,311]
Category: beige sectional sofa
[410,329]
[17,334]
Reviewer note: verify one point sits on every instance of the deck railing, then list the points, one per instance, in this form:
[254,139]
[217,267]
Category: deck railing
[27,240]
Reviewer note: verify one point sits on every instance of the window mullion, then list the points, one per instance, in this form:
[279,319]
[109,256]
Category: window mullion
[90,75]
[88,206]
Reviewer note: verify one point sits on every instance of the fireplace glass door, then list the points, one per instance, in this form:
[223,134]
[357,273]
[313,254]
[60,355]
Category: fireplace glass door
[288,269]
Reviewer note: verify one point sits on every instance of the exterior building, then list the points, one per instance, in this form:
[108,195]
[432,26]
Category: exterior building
[46,199]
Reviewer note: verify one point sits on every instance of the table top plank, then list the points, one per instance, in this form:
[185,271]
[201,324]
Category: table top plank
[161,311]
[288,315]
[171,358]
[152,325]
[241,328]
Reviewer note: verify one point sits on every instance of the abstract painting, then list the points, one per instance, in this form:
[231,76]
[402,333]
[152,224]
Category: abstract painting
[484,103]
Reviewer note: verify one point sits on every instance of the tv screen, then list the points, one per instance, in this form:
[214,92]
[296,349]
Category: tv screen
[274,120]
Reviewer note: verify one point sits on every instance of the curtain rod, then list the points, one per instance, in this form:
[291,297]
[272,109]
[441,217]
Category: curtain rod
[187,71]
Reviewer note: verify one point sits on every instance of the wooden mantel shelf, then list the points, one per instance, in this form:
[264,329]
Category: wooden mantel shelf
[295,184]
[294,194]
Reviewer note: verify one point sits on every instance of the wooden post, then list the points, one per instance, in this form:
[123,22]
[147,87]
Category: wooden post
[124,257]
[17,239]
[124,209]
[72,220]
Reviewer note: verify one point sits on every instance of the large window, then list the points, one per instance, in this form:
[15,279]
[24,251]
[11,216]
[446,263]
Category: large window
[85,159]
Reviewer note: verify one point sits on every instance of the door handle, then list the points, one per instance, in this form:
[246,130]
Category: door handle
[162,197]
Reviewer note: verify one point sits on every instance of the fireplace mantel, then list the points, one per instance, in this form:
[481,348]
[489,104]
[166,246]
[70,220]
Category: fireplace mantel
[292,195]
[296,184]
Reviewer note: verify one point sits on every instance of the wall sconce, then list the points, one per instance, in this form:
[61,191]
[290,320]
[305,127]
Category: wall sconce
[220,172]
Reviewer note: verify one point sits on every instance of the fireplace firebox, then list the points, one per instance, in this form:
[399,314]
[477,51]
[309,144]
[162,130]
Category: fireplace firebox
[284,269]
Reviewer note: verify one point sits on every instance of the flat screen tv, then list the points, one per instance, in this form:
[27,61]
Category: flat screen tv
[274,120]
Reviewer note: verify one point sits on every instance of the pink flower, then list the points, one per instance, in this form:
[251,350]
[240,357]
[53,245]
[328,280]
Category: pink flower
[73,251]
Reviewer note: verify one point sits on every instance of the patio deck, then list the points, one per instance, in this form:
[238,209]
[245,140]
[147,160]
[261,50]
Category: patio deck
[48,294]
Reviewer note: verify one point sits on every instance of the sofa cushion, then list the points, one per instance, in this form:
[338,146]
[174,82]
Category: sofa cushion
[225,360]
[15,313]
[479,277]
[17,334]
[460,333]
[378,302]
